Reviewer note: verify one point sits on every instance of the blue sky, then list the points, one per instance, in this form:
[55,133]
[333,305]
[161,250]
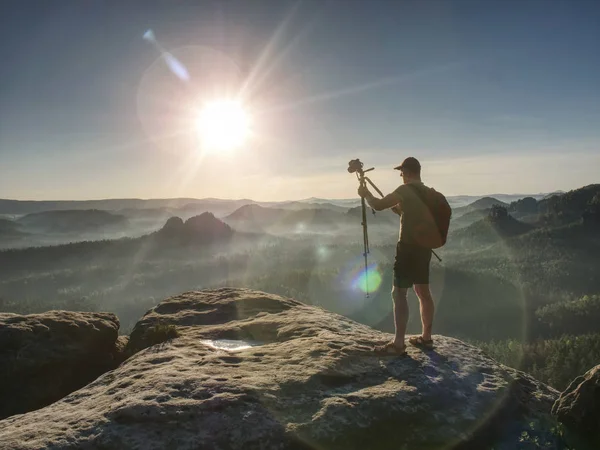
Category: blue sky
[491,96]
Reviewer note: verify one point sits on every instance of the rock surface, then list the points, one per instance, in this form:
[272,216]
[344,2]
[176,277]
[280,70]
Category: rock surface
[250,370]
[44,357]
[578,407]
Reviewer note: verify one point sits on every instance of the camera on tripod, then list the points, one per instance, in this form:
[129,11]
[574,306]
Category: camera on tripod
[355,166]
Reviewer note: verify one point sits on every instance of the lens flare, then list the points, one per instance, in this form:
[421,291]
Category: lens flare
[322,252]
[173,63]
[149,36]
[369,280]
[176,67]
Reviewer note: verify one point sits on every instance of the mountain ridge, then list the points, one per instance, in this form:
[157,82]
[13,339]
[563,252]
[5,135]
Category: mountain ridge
[20,207]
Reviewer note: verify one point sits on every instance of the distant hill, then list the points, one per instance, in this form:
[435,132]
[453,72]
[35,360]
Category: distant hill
[458,201]
[344,203]
[71,221]
[551,194]
[482,203]
[8,225]
[560,209]
[10,229]
[218,207]
[308,205]
[322,219]
[21,207]
[468,218]
[257,214]
[255,217]
[489,230]
[147,213]
[527,205]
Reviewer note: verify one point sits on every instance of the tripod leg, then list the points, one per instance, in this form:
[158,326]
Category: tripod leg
[365,243]
[374,187]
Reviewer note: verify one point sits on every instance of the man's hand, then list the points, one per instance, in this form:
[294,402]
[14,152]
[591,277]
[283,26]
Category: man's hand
[379,204]
[363,191]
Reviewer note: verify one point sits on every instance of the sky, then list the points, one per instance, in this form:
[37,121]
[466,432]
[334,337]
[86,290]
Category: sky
[490,96]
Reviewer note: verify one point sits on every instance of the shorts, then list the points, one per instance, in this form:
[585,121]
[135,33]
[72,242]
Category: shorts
[411,265]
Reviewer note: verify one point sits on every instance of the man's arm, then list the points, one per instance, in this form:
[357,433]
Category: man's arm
[379,204]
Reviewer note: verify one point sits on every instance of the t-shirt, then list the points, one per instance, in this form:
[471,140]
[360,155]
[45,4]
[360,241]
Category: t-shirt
[413,210]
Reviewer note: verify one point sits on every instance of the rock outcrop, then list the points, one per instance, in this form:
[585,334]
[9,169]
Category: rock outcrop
[174,226]
[204,228]
[44,357]
[249,370]
[579,407]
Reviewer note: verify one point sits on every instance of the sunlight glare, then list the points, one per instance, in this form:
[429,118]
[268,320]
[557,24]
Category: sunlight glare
[223,125]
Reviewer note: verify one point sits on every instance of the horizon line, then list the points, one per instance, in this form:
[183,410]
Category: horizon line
[263,201]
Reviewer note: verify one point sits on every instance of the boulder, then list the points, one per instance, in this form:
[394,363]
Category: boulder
[240,369]
[44,357]
[578,407]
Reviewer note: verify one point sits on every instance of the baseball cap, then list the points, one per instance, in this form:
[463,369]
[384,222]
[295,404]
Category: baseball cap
[410,163]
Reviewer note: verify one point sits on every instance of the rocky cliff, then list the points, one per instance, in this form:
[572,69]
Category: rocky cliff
[44,357]
[579,408]
[241,369]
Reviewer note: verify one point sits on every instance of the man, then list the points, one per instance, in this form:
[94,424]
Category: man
[411,267]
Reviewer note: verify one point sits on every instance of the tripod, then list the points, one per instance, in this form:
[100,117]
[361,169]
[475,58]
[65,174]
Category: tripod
[362,179]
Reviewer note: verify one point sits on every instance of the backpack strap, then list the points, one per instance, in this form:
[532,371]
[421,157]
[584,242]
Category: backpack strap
[420,193]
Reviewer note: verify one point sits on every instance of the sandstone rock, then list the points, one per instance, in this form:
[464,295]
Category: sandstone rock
[578,407]
[44,357]
[201,229]
[207,227]
[173,226]
[251,370]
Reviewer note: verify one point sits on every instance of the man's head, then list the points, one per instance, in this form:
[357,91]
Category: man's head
[410,169]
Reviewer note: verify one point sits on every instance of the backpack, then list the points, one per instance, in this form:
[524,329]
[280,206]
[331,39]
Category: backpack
[432,231]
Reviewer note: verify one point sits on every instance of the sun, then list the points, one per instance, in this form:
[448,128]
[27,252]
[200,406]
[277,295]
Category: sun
[223,125]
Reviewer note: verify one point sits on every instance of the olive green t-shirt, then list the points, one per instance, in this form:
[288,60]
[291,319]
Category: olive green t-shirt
[413,210]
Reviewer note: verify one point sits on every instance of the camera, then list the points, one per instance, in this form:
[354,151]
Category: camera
[355,166]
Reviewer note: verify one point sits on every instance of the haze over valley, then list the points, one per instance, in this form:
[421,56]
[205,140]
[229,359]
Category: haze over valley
[507,264]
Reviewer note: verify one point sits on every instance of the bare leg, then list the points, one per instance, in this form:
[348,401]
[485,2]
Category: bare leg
[400,314]
[427,308]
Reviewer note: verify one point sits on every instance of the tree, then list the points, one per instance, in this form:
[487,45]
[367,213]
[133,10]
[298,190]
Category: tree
[591,216]
[525,205]
[498,213]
